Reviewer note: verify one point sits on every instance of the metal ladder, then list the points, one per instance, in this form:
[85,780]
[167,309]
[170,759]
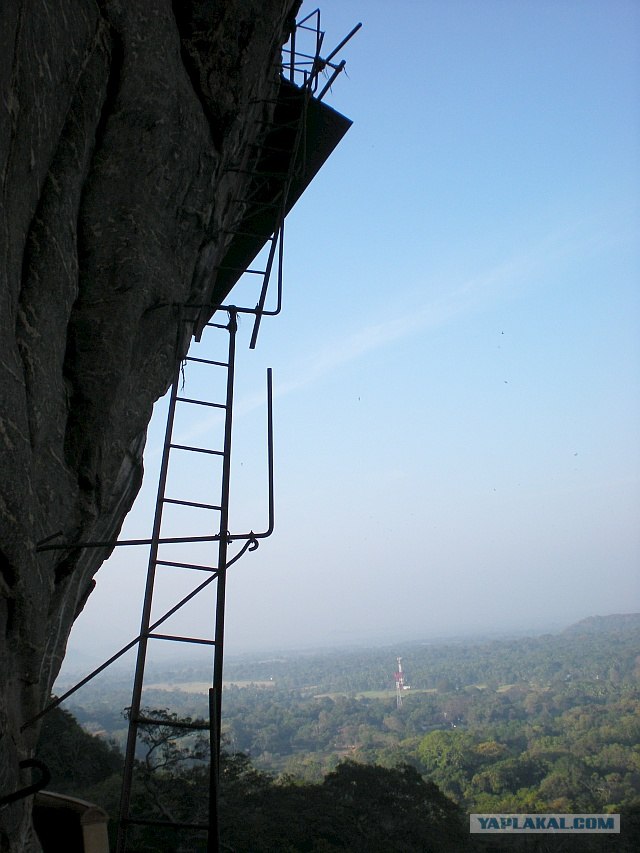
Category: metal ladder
[276,184]
[264,180]
[216,572]
[269,188]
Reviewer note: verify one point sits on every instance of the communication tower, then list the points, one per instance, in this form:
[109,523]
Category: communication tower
[399,683]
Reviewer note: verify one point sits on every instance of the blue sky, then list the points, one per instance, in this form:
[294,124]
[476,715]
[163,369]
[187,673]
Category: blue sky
[457,366]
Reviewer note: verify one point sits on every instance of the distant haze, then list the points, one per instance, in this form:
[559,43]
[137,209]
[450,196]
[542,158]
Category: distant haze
[457,365]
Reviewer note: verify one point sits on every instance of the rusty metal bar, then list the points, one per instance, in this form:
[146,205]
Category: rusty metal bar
[256,203]
[195,504]
[292,54]
[271,522]
[166,540]
[195,566]
[278,237]
[255,174]
[193,449]
[280,265]
[224,527]
[176,639]
[346,39]
[139,821]
[200,402]
[213,839]
[331,80]
[265,283]
[125,799]
[206,361]
[250,545]
[238,269]
[38,785]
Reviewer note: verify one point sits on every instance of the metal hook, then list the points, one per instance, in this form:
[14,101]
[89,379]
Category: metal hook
[44,780]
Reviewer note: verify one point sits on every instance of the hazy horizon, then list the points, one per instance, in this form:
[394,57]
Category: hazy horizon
[79,662]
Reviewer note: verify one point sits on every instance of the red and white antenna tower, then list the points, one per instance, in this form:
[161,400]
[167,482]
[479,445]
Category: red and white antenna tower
[399,683]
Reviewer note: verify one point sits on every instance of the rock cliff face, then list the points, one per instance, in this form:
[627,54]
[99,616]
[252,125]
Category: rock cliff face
[121,124]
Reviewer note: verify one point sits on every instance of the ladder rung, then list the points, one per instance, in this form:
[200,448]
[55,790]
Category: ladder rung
[178,724]
[258,184]
[186,566]
[277,125]
[254,210]
[207,361]
[254,203]
[246,234]
[201,403]
[271,148]
[139,821]
[241,269]
[177,639]
[259,174]
[276,176]
[196,449]
[199,307]
[191,503]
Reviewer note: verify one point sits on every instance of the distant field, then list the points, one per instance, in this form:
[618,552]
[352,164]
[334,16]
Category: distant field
[373,694]
[203,686]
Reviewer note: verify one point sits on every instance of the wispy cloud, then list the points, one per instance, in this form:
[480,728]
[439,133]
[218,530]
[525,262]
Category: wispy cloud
[335,354]
[579,238]
[455,299]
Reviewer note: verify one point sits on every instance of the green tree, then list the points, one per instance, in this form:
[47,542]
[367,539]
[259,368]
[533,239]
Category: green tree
[450,759]
[76,760]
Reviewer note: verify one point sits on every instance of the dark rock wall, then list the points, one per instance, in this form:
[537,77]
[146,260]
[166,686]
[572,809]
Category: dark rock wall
[121,124]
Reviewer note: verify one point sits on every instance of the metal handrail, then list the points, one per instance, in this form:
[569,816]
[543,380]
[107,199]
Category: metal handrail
[44,544]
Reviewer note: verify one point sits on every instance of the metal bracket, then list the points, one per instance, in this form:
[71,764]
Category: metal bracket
[42,782]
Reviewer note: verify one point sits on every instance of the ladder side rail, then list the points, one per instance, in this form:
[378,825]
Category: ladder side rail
[223,543]
[278,241]
[132,735]
[213,839]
